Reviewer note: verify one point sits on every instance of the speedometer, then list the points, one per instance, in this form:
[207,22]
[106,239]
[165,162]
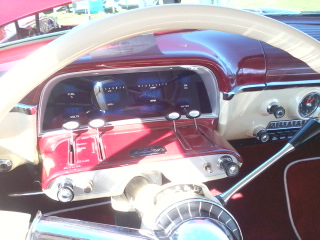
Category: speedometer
[309,104]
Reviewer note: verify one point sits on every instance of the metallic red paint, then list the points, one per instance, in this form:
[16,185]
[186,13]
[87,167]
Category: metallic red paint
[118,141]
[247,68]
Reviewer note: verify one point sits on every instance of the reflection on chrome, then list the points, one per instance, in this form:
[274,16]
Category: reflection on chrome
[202,229]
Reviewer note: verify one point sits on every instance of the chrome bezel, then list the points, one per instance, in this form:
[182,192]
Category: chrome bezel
[208,77]
[313,110]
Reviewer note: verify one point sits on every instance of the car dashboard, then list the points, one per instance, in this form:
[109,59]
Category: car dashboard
[185,107]
[176,101]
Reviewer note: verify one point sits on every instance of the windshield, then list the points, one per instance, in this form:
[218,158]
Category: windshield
[59,19]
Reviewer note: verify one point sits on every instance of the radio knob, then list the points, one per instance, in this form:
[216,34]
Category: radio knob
[276,110]
[262,135]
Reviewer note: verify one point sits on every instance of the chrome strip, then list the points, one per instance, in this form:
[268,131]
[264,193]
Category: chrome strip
[23,194]
[270,85]
[294,83]
[243,88]
[25,109]
[22,41]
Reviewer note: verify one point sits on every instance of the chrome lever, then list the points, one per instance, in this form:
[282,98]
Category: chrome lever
[173,116]
[71,126]
[193,114]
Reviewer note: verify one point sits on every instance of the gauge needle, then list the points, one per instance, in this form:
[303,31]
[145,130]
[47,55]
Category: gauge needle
[310,100]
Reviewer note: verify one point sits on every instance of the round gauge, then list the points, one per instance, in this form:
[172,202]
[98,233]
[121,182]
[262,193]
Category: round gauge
[309,104]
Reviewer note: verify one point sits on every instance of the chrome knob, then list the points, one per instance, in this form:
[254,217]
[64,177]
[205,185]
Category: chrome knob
[230,168]
[261,134]
[173,116]
[65,192]
[71,125]
[193,114]
[276,110]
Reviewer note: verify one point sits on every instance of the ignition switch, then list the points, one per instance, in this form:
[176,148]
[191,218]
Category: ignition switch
[65,191]
[231,168]
[276,110]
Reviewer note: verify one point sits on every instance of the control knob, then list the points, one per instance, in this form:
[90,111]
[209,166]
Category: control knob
[276,110]
[193,114]
[173,116]
[231,168]
[261,134]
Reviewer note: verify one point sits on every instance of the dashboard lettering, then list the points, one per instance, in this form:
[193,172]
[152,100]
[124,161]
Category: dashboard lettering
[147,151]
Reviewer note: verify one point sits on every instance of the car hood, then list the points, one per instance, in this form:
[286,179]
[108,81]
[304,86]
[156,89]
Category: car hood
[16,9]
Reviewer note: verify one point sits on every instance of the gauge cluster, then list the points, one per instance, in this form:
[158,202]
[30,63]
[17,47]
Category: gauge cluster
[123,94]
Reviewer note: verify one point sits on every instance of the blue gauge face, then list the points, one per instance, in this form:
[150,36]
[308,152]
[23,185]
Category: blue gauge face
[309,104]
[110,94]
[129,95]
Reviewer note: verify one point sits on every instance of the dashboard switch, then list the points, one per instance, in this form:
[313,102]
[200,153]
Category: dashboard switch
[207,167]
[231,168]
[173,116]
[96,124]
[276,110]
[193,114]
[71,126]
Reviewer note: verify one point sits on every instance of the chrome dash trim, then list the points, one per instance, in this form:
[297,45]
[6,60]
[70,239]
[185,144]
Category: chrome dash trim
[269,86]
[25,109]
[209,80]
[243,88]
[305,83]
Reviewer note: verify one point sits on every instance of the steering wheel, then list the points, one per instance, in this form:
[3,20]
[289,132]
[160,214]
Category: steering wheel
[44,62]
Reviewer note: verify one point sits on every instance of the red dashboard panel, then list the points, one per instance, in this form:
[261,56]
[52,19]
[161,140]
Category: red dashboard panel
[129,144]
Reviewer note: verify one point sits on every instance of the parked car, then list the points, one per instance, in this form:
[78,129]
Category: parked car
[28,27]
[180,121]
